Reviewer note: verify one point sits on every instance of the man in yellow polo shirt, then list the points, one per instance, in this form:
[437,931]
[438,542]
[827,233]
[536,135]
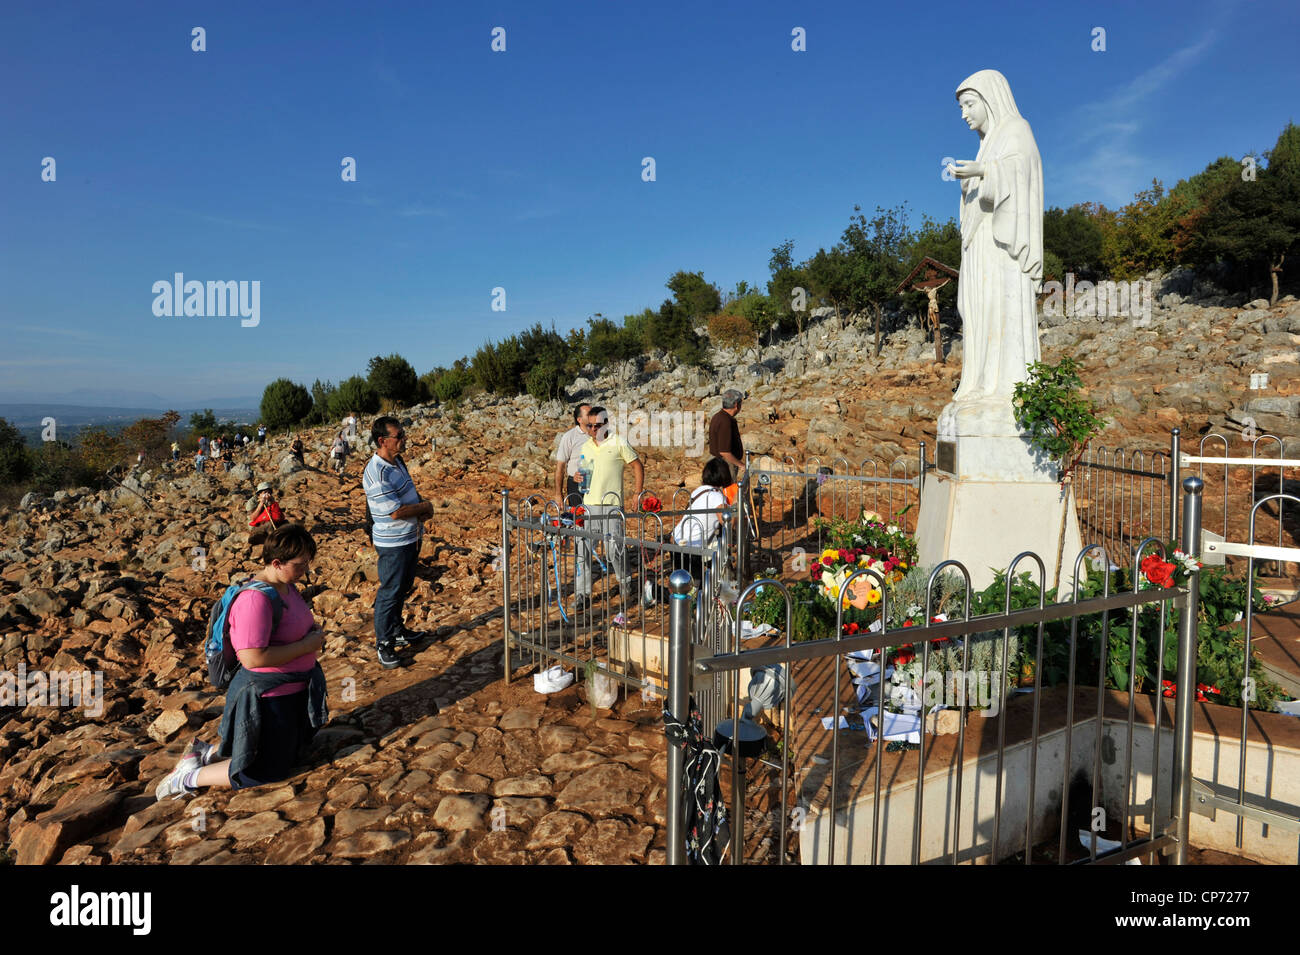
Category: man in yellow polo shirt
[604,457]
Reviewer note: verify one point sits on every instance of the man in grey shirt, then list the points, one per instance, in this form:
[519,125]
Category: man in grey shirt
[567,452]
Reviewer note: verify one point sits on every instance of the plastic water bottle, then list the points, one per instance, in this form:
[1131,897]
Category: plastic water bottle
[584,475]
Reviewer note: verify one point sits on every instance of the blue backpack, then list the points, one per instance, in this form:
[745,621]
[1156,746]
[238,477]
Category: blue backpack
[223,662]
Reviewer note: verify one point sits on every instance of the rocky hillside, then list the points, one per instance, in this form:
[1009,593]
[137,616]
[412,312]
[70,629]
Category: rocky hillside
[418,763]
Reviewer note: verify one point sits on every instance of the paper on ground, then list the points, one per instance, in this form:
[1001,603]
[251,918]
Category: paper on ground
[843,723]
[750,632]
[904,726]
[1104,845]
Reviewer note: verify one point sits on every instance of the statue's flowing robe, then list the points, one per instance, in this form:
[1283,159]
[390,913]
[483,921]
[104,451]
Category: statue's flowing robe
[1002,250]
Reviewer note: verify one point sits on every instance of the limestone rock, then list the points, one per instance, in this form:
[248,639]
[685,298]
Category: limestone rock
[250,830]
[44,839]
[605,788]
[557,829]
[366,845]
[456,813]
[613,842]
[167,725]
[296,845]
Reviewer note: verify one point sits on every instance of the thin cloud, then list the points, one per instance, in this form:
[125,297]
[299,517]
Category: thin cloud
[43,330]
[1116,166]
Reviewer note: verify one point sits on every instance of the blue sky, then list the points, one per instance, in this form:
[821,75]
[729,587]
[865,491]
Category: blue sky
[523,169]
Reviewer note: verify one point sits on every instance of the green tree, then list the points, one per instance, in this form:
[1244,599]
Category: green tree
[1257,223]
[447,385]
[673,329]
[284,404]
[203,422]
[499,368]
[353,394]
[756,308]
[607,343]
[830,280]
[790,309]
[1194,198]
[1073,235]
[696,297]
[322,397]
[393,379]
[876,249]
[15,461]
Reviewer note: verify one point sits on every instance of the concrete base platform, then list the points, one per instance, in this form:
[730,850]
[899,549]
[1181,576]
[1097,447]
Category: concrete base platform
[1272,782]
[985,524]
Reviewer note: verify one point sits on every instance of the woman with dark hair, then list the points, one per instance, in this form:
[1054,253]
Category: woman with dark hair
[276,701]
[703,525]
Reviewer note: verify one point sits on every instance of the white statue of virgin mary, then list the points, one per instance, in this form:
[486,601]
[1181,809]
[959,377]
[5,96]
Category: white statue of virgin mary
[1002,258]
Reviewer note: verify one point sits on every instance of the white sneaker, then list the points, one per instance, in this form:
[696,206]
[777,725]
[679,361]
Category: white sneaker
[174,784]
[205,752]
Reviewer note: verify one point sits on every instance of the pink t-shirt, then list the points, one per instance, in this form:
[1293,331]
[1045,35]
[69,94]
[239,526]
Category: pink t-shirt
[250,629]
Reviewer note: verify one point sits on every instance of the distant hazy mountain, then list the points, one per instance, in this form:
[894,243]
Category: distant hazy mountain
[122,399]
[29,418]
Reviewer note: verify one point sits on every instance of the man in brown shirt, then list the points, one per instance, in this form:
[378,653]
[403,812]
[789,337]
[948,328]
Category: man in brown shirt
[724,433]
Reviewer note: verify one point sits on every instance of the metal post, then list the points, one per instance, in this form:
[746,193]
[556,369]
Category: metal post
[1181,797]
[679,702]
[505,580]
[742,497]
[1175,451]
[920,485]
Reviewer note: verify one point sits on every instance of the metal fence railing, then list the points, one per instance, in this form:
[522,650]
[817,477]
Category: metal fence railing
[786,499]
[1125,495]
[592,591]
[1029,783]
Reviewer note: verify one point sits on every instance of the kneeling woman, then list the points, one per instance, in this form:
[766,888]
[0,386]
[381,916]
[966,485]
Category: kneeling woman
[702,526]
[276,701]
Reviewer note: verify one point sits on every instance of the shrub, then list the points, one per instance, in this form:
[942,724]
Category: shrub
[393,378]
[732,331]
[499,368]
[284,404]
[353,394]
[15,463]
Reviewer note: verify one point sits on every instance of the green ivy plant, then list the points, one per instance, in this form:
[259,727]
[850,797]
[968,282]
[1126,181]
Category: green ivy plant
[1057,418]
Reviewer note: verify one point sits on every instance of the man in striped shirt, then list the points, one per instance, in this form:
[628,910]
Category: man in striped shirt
[397,511]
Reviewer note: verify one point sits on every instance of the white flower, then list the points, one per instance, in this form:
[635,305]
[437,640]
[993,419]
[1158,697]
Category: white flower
[892,529]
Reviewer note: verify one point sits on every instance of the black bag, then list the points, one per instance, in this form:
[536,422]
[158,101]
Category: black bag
[708,832]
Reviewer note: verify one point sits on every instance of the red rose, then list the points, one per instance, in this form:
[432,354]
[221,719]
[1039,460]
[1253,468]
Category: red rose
[1157,571]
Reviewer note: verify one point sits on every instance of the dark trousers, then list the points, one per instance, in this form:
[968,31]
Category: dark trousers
[285,731]
[396,576]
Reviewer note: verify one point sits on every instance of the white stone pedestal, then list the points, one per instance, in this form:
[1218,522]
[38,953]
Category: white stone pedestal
[985,524]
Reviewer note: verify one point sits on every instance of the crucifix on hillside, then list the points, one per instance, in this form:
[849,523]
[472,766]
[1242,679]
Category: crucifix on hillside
[929,276]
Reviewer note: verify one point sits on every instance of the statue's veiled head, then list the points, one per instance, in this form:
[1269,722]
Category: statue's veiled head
[995,101]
